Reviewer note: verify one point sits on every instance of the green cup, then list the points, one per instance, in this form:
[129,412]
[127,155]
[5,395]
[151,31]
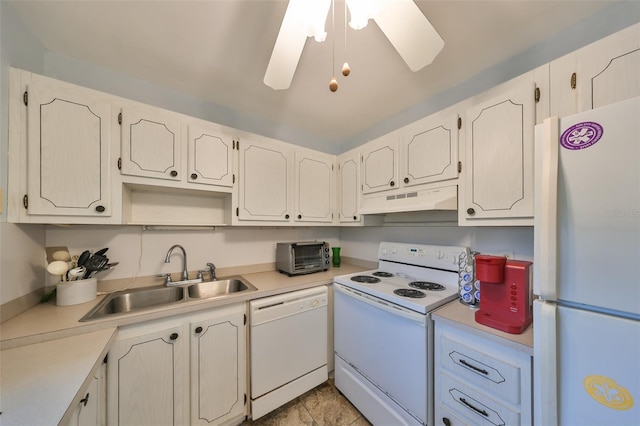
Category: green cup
[335,260]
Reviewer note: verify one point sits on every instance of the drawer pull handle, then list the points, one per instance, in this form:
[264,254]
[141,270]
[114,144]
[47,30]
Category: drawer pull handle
[473,367]
[477,410]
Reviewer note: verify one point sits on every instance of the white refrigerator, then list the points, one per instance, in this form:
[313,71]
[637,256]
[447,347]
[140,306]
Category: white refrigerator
[587,268]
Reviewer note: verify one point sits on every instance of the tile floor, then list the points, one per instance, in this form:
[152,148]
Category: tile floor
[321,406]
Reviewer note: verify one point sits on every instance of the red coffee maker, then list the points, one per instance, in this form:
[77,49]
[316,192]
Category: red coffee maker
[505,293]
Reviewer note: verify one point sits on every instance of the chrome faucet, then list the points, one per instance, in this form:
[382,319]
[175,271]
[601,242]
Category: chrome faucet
[212,271]
[185,275]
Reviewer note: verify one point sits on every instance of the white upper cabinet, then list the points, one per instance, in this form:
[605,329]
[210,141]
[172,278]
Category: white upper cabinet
[429,149]
[209,155]
[151,144]
[349,187]
[599,74]
[498,165]
[380,164]
[314,185]
[264,178]
[62,170]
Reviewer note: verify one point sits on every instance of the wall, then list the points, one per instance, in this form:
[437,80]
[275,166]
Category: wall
[142,253]
[363,242]
[21,247]
[608,21]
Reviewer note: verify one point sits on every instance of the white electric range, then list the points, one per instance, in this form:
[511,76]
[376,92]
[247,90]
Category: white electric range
[384,333]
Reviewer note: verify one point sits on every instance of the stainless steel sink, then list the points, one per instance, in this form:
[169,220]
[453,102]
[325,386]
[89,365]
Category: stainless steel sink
[124,302]
[211,289]
[135,300]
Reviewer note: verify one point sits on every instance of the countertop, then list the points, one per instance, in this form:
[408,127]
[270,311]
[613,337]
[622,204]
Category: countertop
[42,382]
[48,356]
[460,315]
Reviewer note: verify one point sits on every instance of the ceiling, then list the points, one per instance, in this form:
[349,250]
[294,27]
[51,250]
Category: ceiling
[219,50]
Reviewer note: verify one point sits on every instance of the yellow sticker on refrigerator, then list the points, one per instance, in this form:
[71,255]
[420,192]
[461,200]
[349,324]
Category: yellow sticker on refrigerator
[608,393]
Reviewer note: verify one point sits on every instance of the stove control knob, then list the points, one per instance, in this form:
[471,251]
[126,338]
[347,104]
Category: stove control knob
[384,251]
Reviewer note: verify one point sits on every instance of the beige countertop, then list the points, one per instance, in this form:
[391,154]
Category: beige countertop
[48,356]
[42,382]
[461,315]
[47,321]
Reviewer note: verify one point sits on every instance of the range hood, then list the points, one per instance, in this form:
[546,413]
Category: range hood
[410,200]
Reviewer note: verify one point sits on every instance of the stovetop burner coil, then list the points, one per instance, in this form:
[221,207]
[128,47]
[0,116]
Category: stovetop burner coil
[365,279]
[426,285]
[383,274]
[409,292]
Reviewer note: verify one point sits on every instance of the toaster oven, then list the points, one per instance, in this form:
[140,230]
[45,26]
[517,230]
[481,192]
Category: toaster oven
[302,257]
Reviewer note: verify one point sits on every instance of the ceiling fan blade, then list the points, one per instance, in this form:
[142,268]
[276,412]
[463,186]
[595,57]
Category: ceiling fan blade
[286,52]
[410,32]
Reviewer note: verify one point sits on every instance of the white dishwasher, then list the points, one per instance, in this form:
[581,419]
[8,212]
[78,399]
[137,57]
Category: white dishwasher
[288,347]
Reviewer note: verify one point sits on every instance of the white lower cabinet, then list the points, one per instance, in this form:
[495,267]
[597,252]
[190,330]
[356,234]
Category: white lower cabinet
[479,381]
[180,370]
[91,410]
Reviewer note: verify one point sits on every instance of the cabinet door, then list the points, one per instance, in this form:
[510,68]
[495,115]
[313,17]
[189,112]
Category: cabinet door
[499,153]
[429,149]
[349,187]
[209,151]
[380,164]
[264,175]
[89,409]
[151,144]
[68,151]
[313,186]
[146,379]
[599,74]
[218,367]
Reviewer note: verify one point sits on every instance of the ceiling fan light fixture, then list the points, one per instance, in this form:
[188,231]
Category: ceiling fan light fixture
[361,11]
[312,15]
[302,19]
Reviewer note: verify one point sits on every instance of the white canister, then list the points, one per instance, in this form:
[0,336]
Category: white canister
[76,292]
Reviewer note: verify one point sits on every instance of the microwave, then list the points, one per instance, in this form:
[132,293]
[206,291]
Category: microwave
[302,257]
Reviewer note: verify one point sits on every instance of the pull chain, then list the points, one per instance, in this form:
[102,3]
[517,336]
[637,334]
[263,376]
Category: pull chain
[346,70]
[333,84]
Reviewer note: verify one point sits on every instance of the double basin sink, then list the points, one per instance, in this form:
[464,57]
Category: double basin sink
[139,299]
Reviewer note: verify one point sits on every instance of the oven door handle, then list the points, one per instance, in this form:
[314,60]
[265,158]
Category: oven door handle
[382,304]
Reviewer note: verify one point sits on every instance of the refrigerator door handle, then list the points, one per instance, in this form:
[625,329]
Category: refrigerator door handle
[546,202]
[545,389]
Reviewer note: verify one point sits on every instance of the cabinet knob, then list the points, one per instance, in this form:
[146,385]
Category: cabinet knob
[299,216]
[100,209]
[198,330]
[355,217]
[286,216]
[446,421]
[392,183]
[406,180]
[194,176]
[173,173]
[471,211]
[173,336]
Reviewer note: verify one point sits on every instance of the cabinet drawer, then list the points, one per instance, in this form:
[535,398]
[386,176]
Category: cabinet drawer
[474,406]
[446,417]
[487,372]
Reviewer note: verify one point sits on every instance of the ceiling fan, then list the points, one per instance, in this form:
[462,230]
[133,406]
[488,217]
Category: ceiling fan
[402,22]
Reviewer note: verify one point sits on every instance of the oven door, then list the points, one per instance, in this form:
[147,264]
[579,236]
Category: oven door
[386,344]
